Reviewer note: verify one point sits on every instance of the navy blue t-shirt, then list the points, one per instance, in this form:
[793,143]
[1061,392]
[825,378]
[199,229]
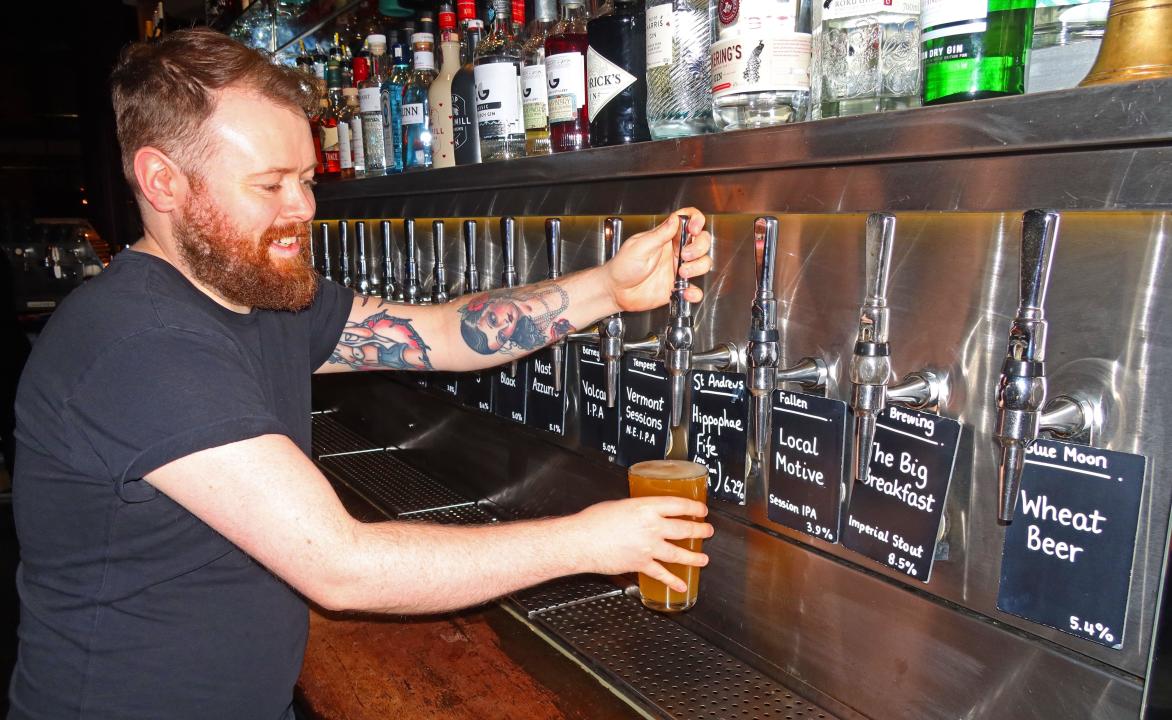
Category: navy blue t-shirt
[132,607]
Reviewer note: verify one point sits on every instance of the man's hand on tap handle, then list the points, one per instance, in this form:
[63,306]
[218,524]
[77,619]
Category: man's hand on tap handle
[643,272]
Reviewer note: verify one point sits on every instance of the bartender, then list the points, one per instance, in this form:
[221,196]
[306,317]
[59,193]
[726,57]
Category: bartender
[171,523]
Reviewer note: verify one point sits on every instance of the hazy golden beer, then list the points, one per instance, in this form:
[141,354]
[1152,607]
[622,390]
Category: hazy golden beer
[677,478]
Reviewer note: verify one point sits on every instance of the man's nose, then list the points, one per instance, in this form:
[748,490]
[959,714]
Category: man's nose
[300,204]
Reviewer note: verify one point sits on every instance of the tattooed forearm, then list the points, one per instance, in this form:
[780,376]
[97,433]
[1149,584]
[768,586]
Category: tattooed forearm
[515,321]
[381,342]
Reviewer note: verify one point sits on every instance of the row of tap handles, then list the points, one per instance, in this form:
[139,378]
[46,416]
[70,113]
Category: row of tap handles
[1023,410]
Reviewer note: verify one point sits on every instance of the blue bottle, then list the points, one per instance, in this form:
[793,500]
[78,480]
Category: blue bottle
[416,116]
[392,102]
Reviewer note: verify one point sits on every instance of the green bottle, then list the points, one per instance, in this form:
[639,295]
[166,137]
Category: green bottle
[975,49]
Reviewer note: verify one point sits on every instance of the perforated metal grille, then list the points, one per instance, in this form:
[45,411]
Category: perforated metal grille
[672,669]
[559,593]
[389,483]
[469,514]
[331,436]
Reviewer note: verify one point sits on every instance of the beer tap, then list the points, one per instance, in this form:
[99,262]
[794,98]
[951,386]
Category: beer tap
[763,349]
[612,328]
[1022,410]
[553,244]
[389,288]
[870,367]
[362,281]
[678,340]
[344,252]
[439,279]
[326,261]
[471,272]
[412,293]
[509,274]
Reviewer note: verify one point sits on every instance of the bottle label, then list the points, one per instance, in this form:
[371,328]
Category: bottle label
[424,59]
[533,98]
[761,62]
[659,35]
[840,9]
[519,11]
[462,121]
[498,99]
[606,80]
[329,138]
[356,149]
[413,113]
[466,9]
[947,18]
[369,100]
[345,157]
[565,76]
[769,17]
[447,21]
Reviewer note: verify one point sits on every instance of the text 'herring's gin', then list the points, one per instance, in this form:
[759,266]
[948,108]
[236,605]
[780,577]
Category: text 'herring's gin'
[867,56]
[679,70]
[499,115]
[761,63]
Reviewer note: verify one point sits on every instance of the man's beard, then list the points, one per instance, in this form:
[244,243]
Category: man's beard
[238,268]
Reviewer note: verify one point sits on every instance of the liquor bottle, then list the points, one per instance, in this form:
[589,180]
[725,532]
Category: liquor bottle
[370,103]
[761,63]
[319,62]
[498,89]
[416,115]
[867,57]
[518,8]
[465,15]
[439,98]
[534,94]
[679,69]
[327,126]
[357,155]
[616,68]
[304,61]
[465,135]
[343,115]
[975,49]
[392,103]
[446,20]
[565,78]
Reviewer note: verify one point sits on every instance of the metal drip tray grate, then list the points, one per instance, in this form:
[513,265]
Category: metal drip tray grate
[331,437]
[467,514]
[559,593]
[670,668]
[389,483]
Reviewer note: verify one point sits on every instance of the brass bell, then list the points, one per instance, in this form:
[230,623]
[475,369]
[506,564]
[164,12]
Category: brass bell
[1137,44]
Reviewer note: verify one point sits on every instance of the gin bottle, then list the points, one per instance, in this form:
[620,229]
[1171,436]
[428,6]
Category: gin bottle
[616,70]
[565,77]
[392,98]
[498,89]
[975,49]
[867,56]
[761,63]
[370,104]
[464,132]
[416,112]
[534,94]
[679,70]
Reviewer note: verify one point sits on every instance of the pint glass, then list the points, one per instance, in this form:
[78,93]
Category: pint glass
[677,478]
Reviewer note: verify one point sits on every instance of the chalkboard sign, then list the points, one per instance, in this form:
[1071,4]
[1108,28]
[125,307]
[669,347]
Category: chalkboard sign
[475,390]
[807,456]
[894,517]
[1067,557]
[598,424]
[716,432]
[445,383]
[645,411]
[508,392]
[547,407]
[421,380]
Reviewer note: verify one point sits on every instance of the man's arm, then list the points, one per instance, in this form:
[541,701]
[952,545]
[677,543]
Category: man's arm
[486,329]
[266,497]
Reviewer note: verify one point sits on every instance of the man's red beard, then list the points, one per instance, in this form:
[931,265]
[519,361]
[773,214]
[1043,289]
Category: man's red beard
[238,268]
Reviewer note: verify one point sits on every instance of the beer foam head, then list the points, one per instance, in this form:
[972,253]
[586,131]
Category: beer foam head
[668,469]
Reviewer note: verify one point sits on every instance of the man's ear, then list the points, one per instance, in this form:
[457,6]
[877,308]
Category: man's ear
[160,180]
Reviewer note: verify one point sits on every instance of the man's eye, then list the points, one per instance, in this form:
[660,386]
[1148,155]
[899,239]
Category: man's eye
[271,188]
[310,183]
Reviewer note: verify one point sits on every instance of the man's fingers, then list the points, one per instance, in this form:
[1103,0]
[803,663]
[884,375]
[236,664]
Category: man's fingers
[699,246]
[669,506]
[679,529]
[658,572]
[671,553]
[696,267]
[693,294]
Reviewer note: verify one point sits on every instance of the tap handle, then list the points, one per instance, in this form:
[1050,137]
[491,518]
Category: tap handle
[613,236]
[439,280]
[553,240]
[765,253]
[685,238]
[412,264]
[326,261]
[344,252]
[362,278]
[1039,234]
[509,247]
[384,228]
[471,271]
[880,240]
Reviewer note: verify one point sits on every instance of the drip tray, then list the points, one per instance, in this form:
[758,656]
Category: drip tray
[331,437]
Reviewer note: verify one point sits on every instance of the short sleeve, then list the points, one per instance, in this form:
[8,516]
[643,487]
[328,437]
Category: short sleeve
[327,316]
[161,395]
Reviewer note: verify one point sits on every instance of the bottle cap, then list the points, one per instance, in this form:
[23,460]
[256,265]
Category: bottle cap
[378,39]
[349,92]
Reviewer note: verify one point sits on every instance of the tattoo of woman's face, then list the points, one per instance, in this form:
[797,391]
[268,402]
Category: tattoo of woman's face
[520,320]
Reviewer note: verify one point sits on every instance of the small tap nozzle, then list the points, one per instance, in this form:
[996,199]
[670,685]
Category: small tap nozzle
[326,261]
[362,280]
[344,252]
[389,284]
[413,292]
[679,339]
[471,271]
[509,274]
[612,328]
[439,277]
[553,240]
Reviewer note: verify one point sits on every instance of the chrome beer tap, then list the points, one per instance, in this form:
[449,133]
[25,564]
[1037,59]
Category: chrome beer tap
[389,286]
[509,274]
[553,245]
[362,280]
[870,367]
[344,253]
[1022,410]
[439,278]
[678,340]
[412,293]
[471,272]
[326,261]
[612,327]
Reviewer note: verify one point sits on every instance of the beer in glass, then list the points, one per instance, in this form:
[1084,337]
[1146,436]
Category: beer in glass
[677,478]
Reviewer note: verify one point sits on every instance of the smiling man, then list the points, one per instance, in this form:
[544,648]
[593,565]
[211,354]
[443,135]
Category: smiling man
[171,523]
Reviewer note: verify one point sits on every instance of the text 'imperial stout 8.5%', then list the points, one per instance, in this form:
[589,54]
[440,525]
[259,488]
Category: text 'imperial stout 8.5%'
[498,89]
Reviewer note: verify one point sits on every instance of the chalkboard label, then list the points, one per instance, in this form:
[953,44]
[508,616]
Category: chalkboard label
[645,411]
[475,390]
[894,517]
[1067,557]
[421,380]
[598,424]
[807,455]
[547,407]
[508,392]
[446,383]
[716,433]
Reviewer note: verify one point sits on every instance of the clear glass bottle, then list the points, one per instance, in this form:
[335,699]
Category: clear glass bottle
[439,99]
[761,63]
[498,89]
[679,69]
[370,103]
[327,124]
[867,56]
[534,92]
[973,49]
[392,99]
[518,14]
[616,70]
[357,153]
[565,79]
[416,113]
[343,114]
[1066,42]
[465,135]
